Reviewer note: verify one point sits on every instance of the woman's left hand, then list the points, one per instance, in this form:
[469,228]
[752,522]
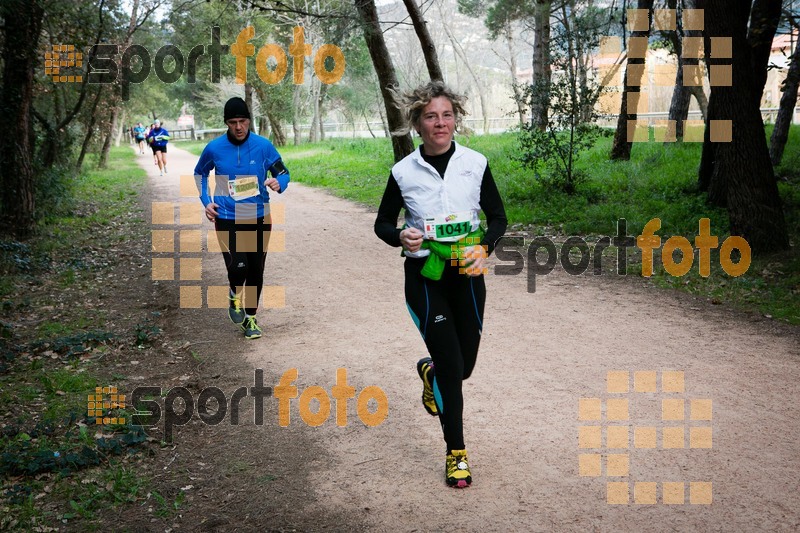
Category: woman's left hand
[474,262]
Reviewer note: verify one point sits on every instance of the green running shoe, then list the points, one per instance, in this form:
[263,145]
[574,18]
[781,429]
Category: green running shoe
[251,329]
[235,311]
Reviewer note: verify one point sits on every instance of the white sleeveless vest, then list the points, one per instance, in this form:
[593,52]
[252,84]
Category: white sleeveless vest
[427,195]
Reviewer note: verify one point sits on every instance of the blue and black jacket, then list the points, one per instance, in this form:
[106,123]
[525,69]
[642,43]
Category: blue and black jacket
[255,156]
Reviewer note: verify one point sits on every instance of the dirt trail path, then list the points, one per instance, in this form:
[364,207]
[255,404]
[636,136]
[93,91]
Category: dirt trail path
[540,354]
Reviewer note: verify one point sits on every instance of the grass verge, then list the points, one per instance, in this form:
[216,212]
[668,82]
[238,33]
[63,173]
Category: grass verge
[57,466]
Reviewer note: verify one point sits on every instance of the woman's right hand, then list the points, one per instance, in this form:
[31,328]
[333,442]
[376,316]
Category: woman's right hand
[411,239]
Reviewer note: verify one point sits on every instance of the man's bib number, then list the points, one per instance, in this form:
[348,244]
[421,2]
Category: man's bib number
[243,187]
[448,227]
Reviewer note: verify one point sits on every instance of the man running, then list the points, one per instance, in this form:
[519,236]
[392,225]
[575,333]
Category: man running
[158,139]
[238,206]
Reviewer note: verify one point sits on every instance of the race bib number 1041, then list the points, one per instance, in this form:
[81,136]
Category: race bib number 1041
[448,227]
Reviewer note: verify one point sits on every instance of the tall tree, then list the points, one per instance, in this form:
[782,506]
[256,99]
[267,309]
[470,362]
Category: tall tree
[500,17]
[780,134]
[16,169]
[425,40]
[742,176]
[683,92]
[542,73]
[90,128]
[759,41]
[764,19]
[634,70]
[59,105]
[373,35]
[135,21]
[570,128]
[480,86]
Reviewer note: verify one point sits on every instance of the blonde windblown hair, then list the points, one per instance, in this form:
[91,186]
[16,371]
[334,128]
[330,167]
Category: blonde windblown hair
[412,103]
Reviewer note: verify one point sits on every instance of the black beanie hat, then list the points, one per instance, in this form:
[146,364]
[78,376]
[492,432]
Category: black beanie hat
[236,108]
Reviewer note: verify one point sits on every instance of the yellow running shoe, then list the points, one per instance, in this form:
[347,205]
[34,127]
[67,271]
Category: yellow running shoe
[457,469]
[425,371]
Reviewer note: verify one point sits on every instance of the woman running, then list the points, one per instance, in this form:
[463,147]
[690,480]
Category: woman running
[443,186]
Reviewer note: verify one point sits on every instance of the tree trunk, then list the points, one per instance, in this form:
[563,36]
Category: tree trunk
[366,120]
[51,147]
[580,63]
[278,136]
[786,112]
[119,130]
[702,100]
[541,62]
[87,139]
[382,114]
[401,145]
[296,96]
[107,143]
[115,104]
[248,99]
[323,90]
[679,106]
[269,125]
[425,40]
[16,153]
[512,55]
[742,169]
[621,149]
[708,157]
[764,20]
[314,129]
[682,94]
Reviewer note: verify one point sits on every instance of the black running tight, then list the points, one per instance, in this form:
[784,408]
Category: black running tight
[246,255]
[449,315]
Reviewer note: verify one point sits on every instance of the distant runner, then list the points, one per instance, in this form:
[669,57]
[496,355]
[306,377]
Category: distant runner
[138,135]
[158,139]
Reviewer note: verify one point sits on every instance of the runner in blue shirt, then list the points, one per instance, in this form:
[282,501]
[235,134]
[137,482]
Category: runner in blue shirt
[138,134]
[158,139]
[247,168]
